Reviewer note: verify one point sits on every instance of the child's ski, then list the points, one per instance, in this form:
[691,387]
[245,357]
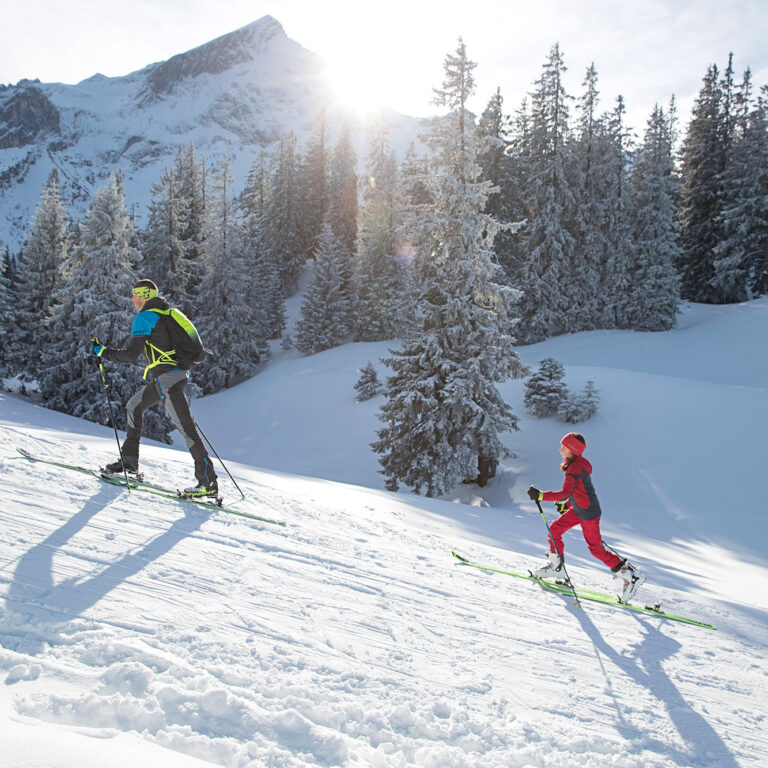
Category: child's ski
[587,594]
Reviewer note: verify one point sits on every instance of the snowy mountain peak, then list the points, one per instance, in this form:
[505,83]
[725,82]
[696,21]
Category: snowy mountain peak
[234,95]
[243,45]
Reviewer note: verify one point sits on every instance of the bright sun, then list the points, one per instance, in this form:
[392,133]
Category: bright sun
[356,88]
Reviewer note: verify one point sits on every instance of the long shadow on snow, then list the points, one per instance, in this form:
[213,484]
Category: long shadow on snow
[646,669]
[35,599]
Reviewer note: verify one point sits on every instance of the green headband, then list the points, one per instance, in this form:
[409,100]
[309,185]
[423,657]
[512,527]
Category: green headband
[145,293]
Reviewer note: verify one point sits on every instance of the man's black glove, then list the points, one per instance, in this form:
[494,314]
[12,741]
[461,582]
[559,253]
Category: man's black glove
[96,350]
[561,506]
[534,494]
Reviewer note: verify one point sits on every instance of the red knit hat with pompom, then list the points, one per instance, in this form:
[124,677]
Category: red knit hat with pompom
[573,444]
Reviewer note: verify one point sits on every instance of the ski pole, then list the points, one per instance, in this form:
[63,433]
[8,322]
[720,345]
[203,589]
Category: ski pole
[608,546]
[554,544]
[221,461]
[112,416]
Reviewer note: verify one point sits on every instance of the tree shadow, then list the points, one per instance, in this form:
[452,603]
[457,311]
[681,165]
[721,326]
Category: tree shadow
[646,669]
[37,609]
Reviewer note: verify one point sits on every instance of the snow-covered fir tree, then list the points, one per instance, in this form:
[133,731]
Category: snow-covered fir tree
[282,226]
[315,171]
[590,398]
[597,167]
[231,319]
[192,175]
[413,179]
[413,233]
[368,385]
[549,238]
[253,198]
[162,244]
[9,265]
[443,409]
[41,272]
[95,302]
[593,181]
[327,308]
[545,389]
[571,408]
[259,263]
[617,222]
[741,257]
[518,193]
[173,240]
[704,159]
[650,299]
[579,406]
[7,322]
[343,191]
[498,166]
[378,279]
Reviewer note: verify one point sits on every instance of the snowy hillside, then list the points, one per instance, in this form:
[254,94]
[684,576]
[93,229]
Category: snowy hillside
[236,95]
[135,629]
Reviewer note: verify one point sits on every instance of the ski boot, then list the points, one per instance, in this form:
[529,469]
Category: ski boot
[202,490]
[632,579]
[126,464]
[552,569]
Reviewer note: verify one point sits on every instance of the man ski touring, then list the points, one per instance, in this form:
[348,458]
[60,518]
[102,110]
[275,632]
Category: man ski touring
[582,508]
[160,333]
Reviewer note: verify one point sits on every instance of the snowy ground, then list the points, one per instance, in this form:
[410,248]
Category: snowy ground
[133,629]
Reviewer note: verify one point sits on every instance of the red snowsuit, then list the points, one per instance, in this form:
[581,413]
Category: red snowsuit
[583,509]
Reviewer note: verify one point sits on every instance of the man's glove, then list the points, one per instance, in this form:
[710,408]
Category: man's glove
[561,506]
[95,348]
[534,494]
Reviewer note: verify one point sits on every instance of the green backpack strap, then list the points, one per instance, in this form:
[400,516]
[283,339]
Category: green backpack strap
[184,322]
[155,355]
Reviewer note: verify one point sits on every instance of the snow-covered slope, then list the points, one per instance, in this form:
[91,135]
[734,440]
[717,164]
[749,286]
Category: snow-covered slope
[677,444]
[133,629]
[236,95]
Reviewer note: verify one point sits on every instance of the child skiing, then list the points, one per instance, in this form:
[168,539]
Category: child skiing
[157,333]
[581,508]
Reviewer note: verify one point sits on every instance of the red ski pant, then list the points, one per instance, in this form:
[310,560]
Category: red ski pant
[591,531]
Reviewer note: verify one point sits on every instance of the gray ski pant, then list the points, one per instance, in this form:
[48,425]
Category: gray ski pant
[168,388]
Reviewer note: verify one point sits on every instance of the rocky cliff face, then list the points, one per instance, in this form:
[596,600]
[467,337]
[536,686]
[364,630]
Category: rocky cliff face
[26,115]
[235,95]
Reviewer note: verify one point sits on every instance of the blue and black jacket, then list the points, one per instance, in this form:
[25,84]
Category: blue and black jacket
[149,334]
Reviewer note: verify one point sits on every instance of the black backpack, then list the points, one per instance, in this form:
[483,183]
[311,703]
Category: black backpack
[187,345]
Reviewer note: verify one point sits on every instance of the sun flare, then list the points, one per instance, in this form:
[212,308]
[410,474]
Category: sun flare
[356,87]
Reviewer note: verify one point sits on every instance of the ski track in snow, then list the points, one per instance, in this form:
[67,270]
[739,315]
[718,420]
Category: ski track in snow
[347,638]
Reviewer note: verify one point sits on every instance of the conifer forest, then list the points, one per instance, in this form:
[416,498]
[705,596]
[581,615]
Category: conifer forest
[492,231]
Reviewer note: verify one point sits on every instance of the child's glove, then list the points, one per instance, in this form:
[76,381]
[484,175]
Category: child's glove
[561,506]
[534,494]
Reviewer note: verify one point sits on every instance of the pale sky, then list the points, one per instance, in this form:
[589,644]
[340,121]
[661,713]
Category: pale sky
[392,52]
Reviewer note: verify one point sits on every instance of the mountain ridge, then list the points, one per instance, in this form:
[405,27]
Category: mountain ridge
[237,94]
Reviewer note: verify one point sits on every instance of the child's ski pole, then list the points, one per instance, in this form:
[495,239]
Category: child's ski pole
[554,544]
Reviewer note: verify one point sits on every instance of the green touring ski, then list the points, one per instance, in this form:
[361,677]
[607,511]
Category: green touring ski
[586,594]
[155,490]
